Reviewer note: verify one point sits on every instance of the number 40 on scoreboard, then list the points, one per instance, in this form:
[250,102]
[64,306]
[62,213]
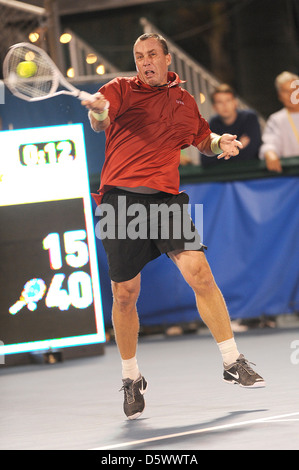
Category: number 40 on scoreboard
[79,293]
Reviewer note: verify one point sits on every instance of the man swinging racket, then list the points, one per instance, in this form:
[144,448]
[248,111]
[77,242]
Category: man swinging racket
[149,120]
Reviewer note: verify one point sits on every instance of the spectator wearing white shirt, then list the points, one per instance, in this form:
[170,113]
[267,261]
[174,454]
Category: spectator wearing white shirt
[280,138]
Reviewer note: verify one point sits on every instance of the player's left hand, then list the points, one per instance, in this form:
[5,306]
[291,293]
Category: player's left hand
[230,146]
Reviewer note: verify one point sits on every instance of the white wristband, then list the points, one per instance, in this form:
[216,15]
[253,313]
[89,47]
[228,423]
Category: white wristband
[100,116]
[215,145]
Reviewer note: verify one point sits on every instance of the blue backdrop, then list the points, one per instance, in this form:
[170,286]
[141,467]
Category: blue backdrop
[251,229]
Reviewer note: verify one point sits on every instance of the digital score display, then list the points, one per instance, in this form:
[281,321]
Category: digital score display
[50,288]
[50,152]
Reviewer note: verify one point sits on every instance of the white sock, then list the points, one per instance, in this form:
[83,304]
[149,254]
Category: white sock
[229,351]
[130,368]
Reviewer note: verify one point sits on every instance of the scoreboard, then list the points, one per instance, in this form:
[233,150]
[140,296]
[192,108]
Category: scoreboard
[50,293]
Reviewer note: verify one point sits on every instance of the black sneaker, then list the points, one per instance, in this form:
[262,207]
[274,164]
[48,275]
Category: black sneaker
[133,396]
[242,374]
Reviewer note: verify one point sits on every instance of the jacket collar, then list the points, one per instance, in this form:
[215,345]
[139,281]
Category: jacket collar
[172,80]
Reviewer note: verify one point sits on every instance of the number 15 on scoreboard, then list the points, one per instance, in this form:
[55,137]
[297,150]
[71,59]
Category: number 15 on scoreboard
[79,285]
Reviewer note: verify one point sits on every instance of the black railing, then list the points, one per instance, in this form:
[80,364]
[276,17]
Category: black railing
[232,170]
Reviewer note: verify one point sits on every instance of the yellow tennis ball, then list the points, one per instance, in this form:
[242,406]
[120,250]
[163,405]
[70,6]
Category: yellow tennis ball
[26,69]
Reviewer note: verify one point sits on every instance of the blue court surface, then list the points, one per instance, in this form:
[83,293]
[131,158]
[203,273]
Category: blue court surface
[77,405]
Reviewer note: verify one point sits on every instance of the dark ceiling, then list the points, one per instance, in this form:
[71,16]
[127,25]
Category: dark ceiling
[68,7]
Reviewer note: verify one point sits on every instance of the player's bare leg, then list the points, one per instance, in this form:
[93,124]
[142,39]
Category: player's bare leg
[209,300]
[213,311]
[126,327]
[124,316]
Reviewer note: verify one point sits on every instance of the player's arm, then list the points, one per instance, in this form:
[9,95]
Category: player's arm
[225,146]
[97,125]
[98,113]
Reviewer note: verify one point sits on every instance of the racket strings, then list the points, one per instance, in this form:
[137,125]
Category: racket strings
[44,81]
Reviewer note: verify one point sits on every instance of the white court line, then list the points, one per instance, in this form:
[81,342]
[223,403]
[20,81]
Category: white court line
[195,431]
[284,420]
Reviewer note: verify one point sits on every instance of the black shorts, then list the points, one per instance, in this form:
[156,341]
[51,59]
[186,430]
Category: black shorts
[137,228]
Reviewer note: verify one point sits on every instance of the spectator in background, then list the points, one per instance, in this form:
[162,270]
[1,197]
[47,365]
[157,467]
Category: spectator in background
[230,119]
[281,135]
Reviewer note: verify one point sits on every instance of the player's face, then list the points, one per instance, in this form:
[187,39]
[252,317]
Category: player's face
[225,104]
[151,62]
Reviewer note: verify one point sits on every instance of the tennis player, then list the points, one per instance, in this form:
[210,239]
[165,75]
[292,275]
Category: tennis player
[150,119]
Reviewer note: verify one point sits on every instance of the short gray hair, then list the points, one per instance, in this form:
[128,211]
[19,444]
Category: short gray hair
[157,36]
[283,78]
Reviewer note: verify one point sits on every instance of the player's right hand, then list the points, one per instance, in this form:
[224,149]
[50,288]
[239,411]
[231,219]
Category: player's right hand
[98,105]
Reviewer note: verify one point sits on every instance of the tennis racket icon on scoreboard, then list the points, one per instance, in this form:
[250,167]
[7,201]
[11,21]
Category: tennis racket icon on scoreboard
[33,291]
[31,75]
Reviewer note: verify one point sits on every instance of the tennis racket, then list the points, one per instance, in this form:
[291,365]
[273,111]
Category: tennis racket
[44,83]
[33,292]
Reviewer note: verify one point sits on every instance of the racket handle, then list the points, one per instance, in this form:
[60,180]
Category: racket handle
[15,308]
[84,95]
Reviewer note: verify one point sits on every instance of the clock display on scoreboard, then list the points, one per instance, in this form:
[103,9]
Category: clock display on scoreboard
[50,289]
[47,152]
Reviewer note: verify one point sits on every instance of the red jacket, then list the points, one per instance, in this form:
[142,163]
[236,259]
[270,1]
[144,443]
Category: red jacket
[149,127]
